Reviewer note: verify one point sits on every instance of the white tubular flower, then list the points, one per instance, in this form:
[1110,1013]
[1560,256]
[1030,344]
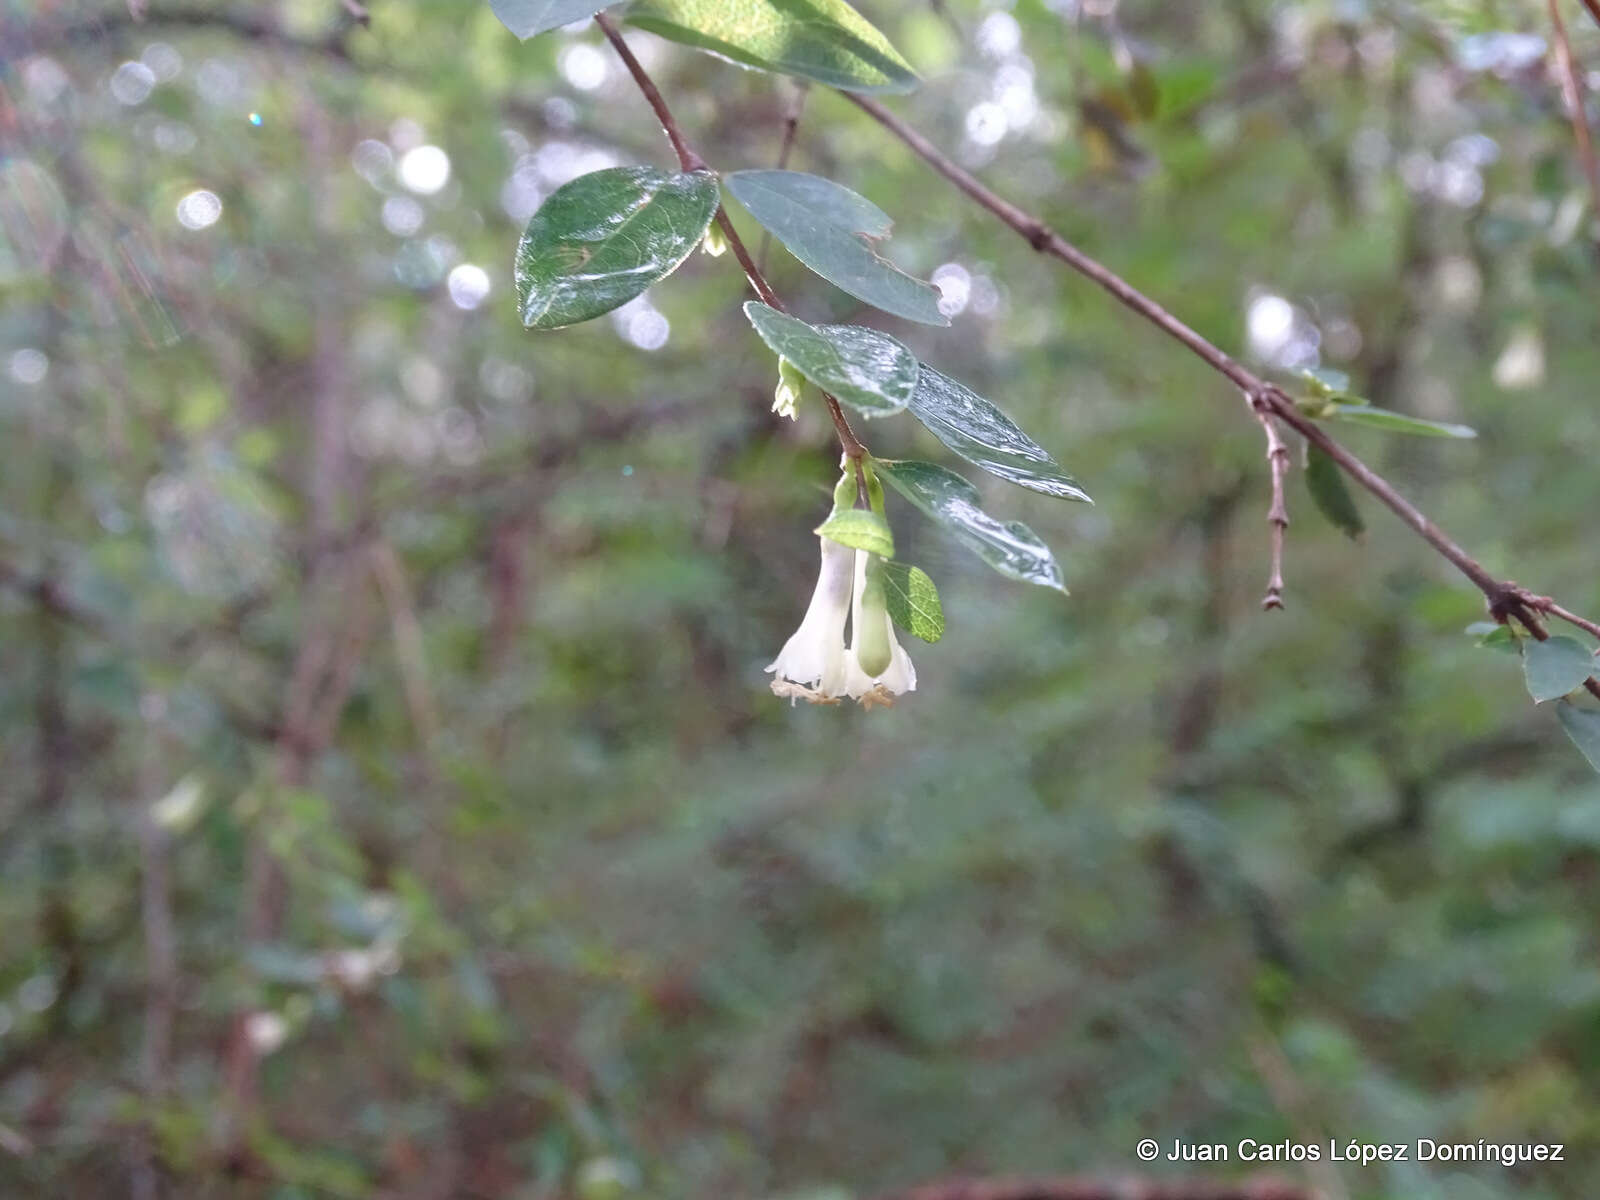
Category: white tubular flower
[811,666]
[877,668]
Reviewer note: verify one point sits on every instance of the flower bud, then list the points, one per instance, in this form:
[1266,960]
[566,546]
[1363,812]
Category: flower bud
[791,383]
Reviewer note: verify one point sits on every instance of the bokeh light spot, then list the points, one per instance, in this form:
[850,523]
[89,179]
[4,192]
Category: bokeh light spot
[425,170]
[469,285]
[200,209]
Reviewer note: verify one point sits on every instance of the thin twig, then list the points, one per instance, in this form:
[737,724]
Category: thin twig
[690,161]
[794,108]
[1546,605]
[1278,514]
[1572,89]
[1506,600]
[249,26]
[1594,9]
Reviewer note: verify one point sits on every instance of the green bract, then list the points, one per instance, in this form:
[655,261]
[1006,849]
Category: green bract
[913,601]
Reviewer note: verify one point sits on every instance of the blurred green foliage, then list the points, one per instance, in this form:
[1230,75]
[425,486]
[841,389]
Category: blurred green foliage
[564,903]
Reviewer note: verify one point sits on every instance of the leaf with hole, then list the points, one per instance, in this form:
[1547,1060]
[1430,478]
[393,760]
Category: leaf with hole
[860,529]
[868,370]
[604,238]
[825,40]
[835,232]
[1583,727]
[1556,666]
[913,601]
[1332,496]
[1010,547]
[1393,422]
[983,435]
[529,18]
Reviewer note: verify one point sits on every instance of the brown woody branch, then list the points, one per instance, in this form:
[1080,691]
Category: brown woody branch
[1507,601]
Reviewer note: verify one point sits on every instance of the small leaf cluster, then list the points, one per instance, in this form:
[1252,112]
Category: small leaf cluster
[604,238]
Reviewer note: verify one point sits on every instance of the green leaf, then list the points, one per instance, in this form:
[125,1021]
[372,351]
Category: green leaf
[604,238]
[1583,727]
[913,601]
[528,18]
[1328,383]
[1008,546]
[825,40]
[1145,90]
[1493,636]
[1382,418]
[1556,666]
[868,370]
[983,435]
[834,231]
[860,529]
[1328,489]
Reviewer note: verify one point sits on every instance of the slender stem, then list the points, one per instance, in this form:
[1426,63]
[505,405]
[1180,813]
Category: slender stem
[1048,241]
[1506,600]
[1572,89]
[1278,514]
[690,161]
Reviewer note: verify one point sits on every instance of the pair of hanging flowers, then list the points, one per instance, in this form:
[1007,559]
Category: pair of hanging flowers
[816,664]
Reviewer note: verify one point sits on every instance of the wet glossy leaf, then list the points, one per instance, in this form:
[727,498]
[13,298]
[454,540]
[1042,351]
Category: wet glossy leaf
[1583,727]
[860,529]
[983,435]
[1010,547]
[1331,494]
[1382,418]
[825,40]
[835,232]
[1556,666]
[868,370]
[913,601]
[528,18]
[604,238]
